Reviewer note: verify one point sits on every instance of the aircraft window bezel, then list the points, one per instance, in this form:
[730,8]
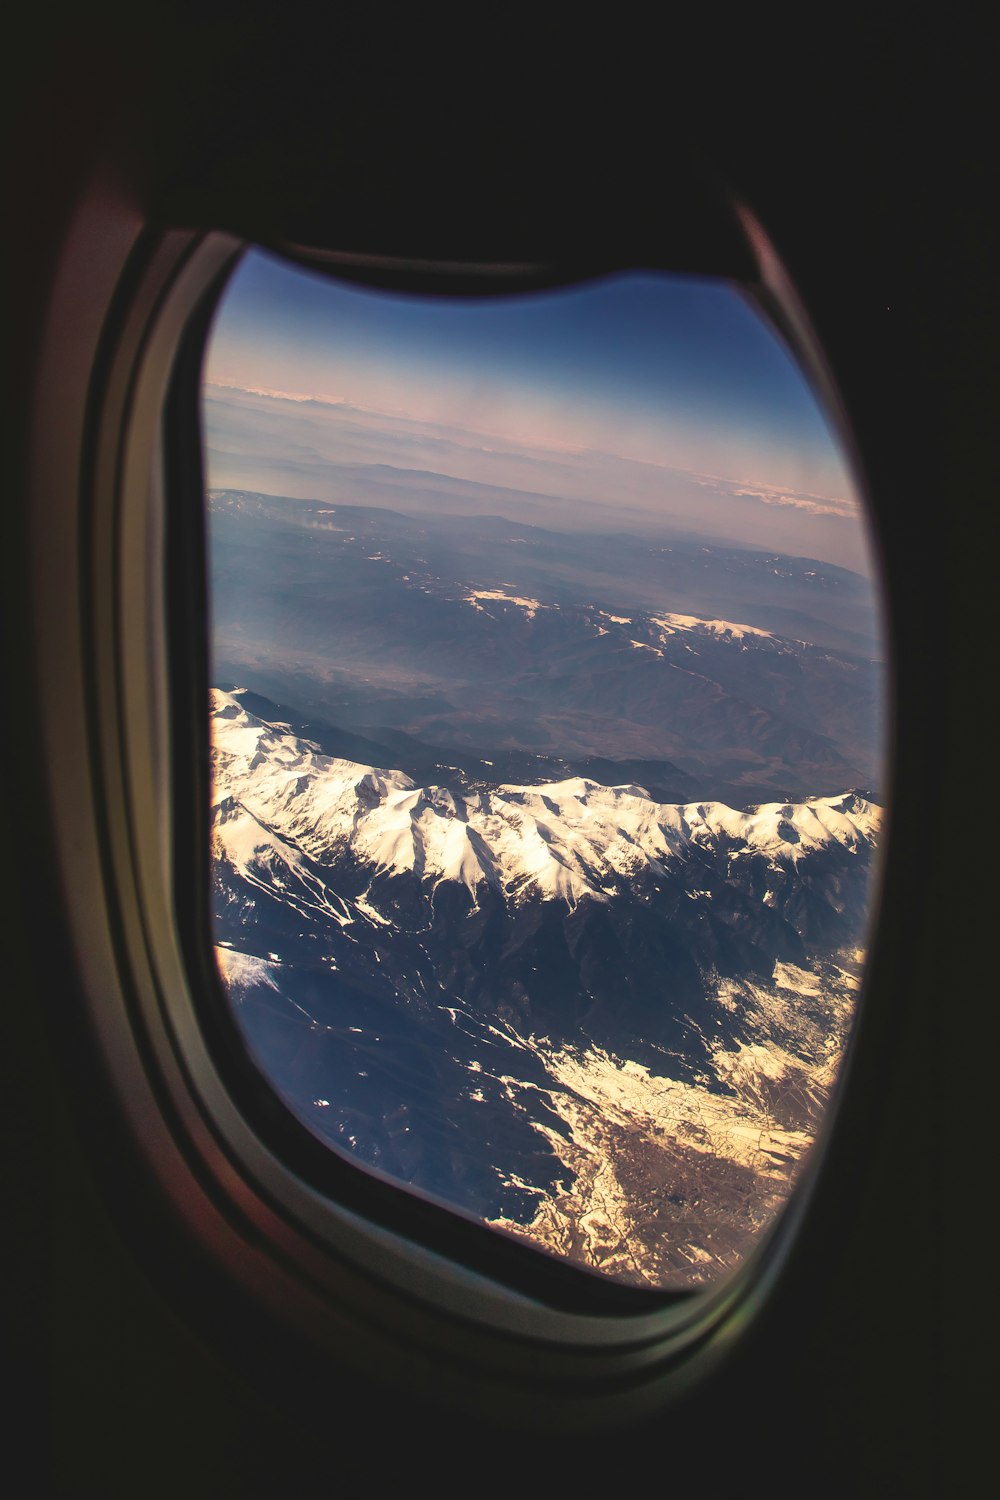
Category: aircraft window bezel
[144,497]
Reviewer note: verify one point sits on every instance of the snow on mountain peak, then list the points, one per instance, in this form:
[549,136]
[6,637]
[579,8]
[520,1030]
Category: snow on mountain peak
[288,783]
[500,596]
[563,840]
[671,623]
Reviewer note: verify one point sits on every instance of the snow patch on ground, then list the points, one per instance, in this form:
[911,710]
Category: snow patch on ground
[530,606]
[729,629]
[739,1150]
[244,971]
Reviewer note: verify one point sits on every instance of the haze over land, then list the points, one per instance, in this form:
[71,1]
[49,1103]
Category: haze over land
[315,449]
[637,403]
[489,638]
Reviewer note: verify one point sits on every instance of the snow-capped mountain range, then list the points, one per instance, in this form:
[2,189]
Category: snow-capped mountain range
[565,840]
[600,1022]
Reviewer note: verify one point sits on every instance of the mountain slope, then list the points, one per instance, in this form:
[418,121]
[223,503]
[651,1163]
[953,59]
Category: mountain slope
[503,996]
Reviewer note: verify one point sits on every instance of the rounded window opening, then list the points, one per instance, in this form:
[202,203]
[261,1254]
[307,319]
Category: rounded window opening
[548,745]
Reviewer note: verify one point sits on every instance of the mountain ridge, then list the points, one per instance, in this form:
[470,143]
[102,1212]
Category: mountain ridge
[601,1023]
[559,838]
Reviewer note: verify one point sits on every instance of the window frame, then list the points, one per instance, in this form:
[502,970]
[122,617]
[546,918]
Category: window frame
[333,1274]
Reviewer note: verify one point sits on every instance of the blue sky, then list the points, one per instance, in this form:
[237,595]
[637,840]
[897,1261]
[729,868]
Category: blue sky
[659,401]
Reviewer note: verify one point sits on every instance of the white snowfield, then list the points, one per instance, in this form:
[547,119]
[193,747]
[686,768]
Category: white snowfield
[670,624]
[499,596]
[563,840]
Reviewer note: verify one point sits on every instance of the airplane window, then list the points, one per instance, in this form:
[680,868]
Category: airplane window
[547,726]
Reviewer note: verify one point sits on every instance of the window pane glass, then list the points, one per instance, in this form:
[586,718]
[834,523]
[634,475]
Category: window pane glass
[547,731]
